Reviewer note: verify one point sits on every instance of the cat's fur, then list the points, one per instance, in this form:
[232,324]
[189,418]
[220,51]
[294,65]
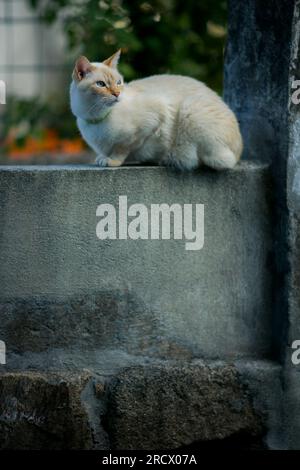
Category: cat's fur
[169,119]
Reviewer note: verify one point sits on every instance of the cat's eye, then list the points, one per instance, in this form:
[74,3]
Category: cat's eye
[119,82]
[100,83]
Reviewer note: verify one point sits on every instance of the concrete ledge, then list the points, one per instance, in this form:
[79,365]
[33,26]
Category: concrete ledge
[67,295]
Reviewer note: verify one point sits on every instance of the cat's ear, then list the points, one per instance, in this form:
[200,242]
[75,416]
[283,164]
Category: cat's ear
[82,67]
[113,60]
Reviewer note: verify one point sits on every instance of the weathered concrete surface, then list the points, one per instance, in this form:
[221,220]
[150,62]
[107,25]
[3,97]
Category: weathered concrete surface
[262,67]
[256,86]
[163,405]
[63,291]
[256,75]
[292,371]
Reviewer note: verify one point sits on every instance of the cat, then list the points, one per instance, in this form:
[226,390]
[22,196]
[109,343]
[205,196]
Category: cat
[169,119]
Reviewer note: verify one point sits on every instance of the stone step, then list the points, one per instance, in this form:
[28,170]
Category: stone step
[69,299]
[162,405]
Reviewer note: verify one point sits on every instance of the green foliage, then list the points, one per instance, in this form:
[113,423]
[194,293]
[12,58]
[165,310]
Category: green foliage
[160,36]
[30,117]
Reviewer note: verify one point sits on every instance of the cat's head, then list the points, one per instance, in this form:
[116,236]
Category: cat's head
[100,82]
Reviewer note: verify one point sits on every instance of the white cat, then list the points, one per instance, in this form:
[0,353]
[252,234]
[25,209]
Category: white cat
[168,119]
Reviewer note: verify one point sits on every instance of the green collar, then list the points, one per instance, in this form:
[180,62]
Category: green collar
[99,119]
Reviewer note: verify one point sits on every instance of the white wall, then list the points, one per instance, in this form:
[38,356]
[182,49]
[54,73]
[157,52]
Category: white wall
[32,55]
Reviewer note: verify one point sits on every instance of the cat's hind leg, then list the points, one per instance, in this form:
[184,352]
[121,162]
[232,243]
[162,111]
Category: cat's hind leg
[182,157]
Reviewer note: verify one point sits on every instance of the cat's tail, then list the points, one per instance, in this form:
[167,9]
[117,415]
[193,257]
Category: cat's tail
[222,158]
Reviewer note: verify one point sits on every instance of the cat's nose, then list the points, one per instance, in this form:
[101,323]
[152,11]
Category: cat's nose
[115,93]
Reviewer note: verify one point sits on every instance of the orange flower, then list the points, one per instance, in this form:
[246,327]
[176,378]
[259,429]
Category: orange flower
[48,143]
[74,146]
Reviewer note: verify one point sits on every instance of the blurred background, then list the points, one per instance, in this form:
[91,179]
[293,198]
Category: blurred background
[40,39]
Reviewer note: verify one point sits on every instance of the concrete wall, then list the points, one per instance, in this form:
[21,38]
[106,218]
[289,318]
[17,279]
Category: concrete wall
[292,370]
[256,75]
[69,298]
[261,68]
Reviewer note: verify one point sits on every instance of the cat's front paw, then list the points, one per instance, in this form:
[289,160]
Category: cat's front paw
[101,161]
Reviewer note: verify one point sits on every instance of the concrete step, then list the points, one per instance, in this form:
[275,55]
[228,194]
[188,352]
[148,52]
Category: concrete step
[70,299]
